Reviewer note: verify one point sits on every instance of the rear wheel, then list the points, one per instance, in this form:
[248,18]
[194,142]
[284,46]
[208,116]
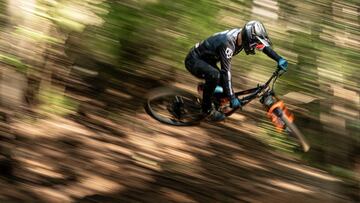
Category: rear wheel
[174,106]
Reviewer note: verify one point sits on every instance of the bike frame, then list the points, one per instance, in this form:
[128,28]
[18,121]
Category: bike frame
[253,93]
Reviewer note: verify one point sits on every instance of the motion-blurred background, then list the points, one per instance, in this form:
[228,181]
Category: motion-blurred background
[74,75]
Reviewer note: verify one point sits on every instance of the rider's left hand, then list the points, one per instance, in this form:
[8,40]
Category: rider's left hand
[282,65]
[235,102]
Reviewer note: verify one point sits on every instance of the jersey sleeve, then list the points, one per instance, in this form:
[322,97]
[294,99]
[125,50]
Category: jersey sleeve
[266,48]
[226,53]
[271,53]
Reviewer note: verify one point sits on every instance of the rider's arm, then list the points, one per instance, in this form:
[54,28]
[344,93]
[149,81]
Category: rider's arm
[269,52]
[282,63]
[226,53]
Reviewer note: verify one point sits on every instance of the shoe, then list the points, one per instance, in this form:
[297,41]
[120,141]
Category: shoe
[215,116]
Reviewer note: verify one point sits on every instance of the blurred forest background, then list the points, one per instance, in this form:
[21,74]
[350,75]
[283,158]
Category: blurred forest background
[73,59]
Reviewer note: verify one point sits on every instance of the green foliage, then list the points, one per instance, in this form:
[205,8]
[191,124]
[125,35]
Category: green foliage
[36,36]
[53,101]
[341,172]
[14,62]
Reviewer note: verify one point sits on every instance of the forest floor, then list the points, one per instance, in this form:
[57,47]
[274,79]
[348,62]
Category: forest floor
[94,158]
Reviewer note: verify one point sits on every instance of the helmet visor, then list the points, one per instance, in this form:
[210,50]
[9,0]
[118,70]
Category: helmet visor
[265,42]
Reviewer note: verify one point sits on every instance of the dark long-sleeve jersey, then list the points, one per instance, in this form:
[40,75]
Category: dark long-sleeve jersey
[221,47]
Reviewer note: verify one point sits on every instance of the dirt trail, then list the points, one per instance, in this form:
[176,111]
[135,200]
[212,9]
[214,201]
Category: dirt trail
[62,160]
[136,159]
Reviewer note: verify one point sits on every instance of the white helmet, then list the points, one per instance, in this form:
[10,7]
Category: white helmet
[253,34]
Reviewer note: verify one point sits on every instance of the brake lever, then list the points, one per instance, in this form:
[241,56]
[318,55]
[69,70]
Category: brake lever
[276,73]
[279,72]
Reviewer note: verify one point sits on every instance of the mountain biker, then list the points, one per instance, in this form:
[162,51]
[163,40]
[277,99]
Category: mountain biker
[202,59]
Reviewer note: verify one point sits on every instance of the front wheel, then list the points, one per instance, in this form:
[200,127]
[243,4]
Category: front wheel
[174,107]
[295,132]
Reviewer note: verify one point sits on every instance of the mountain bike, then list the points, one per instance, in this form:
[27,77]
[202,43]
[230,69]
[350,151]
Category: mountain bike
[178,107]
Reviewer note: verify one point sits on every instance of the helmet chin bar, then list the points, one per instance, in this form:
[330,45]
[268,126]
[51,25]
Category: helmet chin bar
[250,51]
[253,45]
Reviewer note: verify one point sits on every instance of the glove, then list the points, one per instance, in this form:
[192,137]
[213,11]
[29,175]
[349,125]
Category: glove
[235,102]
[282,65]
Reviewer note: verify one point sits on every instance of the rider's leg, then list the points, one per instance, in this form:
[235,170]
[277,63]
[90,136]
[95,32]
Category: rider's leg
[203,70]
[212,77]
